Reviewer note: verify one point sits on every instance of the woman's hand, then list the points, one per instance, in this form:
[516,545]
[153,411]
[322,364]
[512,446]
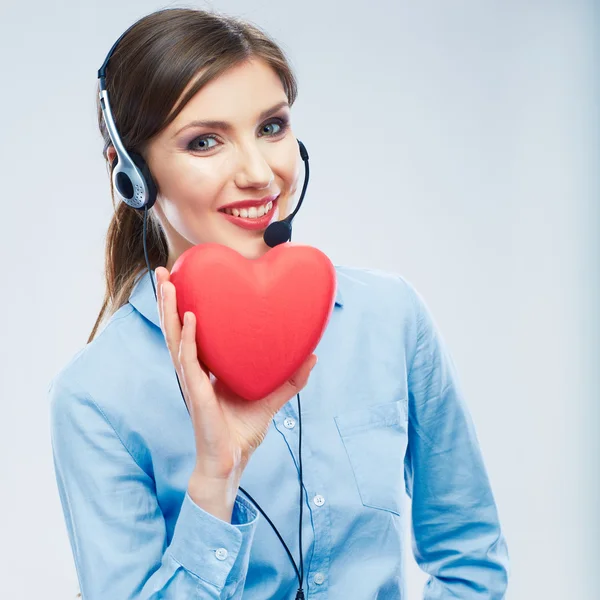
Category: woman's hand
[227,427]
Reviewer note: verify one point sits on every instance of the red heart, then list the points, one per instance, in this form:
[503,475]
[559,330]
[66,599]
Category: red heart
[257,320]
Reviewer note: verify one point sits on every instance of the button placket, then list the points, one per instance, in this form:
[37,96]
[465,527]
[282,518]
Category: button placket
[321,520]
[287,424]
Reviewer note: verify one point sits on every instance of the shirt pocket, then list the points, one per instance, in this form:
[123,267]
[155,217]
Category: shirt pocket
[375,439]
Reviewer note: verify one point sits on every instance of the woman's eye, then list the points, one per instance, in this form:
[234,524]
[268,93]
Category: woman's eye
[281,123]
[202,140]
[270,125]
[201,144]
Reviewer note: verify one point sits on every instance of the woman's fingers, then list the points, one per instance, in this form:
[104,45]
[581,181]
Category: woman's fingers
[169,317]
[171,321]
[161,275]
[197,383]
[292,386]
[168,314]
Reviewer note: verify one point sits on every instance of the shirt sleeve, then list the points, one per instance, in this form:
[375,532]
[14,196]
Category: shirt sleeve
[115,525]
[457,537]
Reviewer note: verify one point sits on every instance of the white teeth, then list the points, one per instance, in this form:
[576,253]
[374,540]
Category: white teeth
[252,212]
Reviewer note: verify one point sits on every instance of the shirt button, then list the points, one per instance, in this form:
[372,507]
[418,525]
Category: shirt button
[290,423]
[319,500]
[221,553]
[319,578]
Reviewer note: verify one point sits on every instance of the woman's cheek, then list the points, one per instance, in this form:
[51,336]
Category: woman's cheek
[292,179]
[199,188]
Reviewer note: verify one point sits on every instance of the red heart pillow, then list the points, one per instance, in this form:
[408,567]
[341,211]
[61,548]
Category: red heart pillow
[257,320]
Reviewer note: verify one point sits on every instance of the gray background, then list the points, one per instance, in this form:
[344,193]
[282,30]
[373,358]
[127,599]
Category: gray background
[455,143]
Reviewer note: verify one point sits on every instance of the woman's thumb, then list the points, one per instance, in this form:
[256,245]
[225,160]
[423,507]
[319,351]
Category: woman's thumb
[293,385]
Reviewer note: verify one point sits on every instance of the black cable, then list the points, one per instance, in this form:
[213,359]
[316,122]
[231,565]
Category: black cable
[299,574]
[144,231]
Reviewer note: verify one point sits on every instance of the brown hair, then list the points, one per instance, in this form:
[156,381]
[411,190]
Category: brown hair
[148,71]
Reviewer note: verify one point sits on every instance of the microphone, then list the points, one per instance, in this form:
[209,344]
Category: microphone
[280,232]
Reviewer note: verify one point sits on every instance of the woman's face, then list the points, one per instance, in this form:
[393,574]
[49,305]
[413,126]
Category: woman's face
[200,169]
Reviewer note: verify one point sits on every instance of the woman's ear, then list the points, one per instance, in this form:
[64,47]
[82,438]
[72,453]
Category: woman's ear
[110,154]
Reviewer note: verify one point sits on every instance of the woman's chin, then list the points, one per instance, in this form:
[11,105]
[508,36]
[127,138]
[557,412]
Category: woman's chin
[257,248]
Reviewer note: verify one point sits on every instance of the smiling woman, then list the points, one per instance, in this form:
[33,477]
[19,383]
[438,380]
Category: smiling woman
[205,98]
[150,492]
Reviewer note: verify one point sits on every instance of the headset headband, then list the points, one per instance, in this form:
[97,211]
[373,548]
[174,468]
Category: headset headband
[131,175]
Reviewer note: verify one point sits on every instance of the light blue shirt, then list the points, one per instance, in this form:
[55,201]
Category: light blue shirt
[383,411]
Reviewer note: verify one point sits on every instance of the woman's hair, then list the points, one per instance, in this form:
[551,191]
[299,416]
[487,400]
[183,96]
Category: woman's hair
[148,71]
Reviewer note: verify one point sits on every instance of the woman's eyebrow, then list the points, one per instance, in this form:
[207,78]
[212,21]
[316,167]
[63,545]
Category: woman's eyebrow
[227,126]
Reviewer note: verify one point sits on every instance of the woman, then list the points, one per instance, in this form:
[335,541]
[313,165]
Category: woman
[150,486]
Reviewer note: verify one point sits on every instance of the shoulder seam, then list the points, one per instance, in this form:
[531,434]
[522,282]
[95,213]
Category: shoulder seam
[417,311]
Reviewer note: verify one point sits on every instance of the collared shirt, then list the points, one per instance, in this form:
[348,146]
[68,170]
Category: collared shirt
[383,412]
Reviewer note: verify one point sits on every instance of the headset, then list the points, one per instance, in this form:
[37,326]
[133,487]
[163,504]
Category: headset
[133,181]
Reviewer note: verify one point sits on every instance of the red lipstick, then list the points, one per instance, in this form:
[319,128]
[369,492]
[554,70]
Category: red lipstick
[253,224]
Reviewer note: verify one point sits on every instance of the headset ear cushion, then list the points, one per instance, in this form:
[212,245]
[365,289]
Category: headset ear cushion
[145,171]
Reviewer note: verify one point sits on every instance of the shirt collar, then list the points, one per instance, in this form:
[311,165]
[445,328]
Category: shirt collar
[143,300]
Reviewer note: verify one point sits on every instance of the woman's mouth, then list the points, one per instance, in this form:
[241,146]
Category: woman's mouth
[253,218]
